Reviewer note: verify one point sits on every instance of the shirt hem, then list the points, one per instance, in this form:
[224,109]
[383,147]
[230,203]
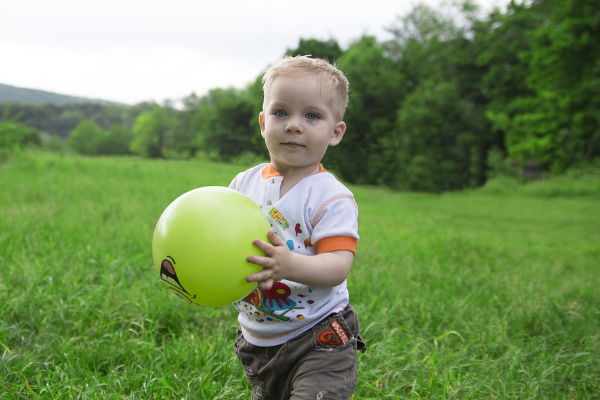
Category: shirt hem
[279,339]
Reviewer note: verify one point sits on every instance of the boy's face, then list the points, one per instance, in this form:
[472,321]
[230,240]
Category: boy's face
[298,123]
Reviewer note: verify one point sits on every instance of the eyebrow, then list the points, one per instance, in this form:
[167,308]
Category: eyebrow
[311,107]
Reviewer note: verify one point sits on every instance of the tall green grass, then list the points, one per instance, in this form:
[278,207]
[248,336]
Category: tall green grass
[474,295]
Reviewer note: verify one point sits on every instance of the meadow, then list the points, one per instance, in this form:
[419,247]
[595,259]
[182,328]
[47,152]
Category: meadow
[485,294]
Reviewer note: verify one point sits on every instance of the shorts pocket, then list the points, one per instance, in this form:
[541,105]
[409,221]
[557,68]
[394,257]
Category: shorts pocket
[333,334]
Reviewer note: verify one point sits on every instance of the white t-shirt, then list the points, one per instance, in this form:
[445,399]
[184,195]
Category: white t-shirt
[317,215]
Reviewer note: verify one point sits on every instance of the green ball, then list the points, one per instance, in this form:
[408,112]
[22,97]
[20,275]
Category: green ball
[201,243]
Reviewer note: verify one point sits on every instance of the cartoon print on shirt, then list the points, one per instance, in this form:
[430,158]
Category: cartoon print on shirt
[273,300]
[290,244]
[307,243]
[298,230]
[169,275]
[279,218]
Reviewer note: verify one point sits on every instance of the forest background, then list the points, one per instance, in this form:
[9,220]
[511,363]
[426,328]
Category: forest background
[449,102]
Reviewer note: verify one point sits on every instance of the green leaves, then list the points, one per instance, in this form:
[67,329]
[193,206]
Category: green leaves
[375,93]
[222,125]
[86,137]
[14,135]
[544,81]
[438,140]
[154,132]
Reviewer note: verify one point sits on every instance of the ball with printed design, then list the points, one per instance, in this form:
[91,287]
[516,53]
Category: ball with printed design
[201,243]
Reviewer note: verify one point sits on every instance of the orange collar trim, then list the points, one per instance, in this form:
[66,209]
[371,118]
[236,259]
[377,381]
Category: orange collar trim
[270,172]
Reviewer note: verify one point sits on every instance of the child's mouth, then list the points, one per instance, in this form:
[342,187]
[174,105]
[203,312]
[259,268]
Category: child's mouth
[292,144]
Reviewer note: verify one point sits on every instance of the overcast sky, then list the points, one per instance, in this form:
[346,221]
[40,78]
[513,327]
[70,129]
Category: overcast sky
[131,51]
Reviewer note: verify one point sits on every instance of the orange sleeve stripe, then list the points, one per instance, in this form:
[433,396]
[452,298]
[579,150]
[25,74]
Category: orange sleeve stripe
[334,243]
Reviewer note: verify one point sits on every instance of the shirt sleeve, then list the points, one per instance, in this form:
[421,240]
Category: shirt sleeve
[233,184]
[237,181]
[335,243]
[335,225]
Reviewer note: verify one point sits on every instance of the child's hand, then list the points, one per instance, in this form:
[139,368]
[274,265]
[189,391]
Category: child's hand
[275,262]
[321,270]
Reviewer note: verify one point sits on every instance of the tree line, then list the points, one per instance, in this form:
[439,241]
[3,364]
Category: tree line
[451,98]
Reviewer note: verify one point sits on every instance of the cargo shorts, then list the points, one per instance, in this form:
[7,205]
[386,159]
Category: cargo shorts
[319,364]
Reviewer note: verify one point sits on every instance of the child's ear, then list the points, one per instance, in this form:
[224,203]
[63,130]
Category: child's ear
[261,123]
[338,133]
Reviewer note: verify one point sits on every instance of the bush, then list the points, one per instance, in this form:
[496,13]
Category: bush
[14,135]
[499,166]
[54,143]
[86,138]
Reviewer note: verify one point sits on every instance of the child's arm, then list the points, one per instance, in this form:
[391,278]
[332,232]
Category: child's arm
[322,270]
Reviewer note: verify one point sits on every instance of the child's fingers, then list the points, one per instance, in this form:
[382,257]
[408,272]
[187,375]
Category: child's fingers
[264,262]
[266,248]
[266,285]
[275,240]
[262,276]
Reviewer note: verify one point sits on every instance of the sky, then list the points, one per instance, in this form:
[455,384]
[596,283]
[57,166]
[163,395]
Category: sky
[133,51]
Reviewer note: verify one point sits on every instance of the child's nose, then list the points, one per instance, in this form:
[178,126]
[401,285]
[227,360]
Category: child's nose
[294,125]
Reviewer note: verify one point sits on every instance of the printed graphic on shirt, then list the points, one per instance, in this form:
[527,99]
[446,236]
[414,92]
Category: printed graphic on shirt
[298,230]
[307,243]
[279,218]
[275,304]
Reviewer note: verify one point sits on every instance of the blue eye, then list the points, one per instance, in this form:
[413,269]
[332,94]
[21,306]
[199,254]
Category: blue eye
[312,116]
[280,113]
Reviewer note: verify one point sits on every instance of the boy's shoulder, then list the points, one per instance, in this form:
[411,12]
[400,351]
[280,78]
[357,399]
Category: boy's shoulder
[326,182]
[321,190]
[252,172]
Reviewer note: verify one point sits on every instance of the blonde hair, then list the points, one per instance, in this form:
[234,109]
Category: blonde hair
[330,78]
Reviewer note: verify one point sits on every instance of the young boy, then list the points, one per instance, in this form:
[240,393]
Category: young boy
[299,335]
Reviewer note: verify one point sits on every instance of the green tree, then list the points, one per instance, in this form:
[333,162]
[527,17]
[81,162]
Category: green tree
[329,50]
[543,80]
[86,138]
[255,96]
[154,132]
[367,152]
[565,73]
[438,140]
[503,43]
[14,135]
[61,120]
[441,134]
[185,141]
[117,141]
[422,45]
[222,124]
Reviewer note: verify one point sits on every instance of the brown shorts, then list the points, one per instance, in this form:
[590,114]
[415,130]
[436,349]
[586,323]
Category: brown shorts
[319,364]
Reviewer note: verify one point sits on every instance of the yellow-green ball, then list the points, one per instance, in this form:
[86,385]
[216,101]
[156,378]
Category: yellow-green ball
[201,243]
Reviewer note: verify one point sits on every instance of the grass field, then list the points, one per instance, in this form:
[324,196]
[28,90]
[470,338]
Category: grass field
[491,294]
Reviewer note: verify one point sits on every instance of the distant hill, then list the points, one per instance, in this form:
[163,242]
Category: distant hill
[17,95]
